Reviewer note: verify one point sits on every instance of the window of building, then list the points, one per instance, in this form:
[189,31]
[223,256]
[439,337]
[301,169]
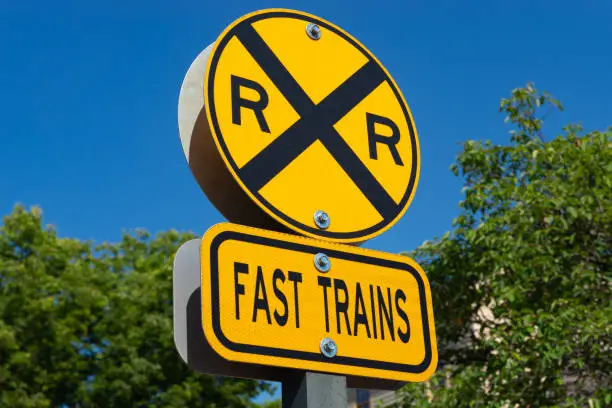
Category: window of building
[363,398]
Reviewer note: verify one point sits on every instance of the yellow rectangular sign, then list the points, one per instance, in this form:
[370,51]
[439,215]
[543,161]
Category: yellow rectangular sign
[267,298]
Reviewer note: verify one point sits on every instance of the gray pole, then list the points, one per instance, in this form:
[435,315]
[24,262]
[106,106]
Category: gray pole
[313,390]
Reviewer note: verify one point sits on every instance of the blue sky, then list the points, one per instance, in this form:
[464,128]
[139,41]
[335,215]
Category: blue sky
[89,89]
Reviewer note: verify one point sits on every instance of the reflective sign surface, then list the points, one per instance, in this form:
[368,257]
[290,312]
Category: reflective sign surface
[311,122]
[282,300]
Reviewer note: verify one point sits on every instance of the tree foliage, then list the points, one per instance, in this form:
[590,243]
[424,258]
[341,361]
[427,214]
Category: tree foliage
[272,404]
[522,283]
[91,326]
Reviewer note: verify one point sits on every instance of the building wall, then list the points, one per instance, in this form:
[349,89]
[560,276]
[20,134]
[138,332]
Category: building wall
[370,398]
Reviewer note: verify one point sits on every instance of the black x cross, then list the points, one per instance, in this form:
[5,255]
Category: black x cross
[315,123]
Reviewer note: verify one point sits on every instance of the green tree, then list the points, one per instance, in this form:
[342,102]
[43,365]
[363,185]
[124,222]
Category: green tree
[272,404]
[92,326]
[522,283]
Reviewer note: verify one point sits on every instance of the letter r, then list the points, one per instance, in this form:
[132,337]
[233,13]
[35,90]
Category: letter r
[390,141]
[257,106]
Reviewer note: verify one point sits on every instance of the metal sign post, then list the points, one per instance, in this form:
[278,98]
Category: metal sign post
[303,141]
[308,390]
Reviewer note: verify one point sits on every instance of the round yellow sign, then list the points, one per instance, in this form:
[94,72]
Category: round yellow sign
[311,126]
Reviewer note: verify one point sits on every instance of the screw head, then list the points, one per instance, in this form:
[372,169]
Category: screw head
[313,31]
[322,262]
[321,218]
[329,348]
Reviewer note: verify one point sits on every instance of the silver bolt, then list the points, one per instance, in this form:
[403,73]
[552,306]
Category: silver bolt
[313,31]
[322,262]
[321,219]
[329,347]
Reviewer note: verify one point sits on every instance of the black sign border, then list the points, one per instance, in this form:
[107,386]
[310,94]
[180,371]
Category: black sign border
[213,117]
[307,356]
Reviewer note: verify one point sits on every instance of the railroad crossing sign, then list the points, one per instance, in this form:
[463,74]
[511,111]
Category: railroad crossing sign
[309,125]
[276,299]
[289,124]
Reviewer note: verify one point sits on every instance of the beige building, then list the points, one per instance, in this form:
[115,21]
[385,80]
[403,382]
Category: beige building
[371,398]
